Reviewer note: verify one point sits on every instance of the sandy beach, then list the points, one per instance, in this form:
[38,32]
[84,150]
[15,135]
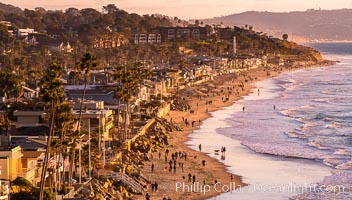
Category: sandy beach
[212,178]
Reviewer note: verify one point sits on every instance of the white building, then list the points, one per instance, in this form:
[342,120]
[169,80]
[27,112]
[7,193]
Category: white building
[25,32]
[147,38]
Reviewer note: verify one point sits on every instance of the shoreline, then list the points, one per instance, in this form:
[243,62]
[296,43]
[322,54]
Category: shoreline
[222,87]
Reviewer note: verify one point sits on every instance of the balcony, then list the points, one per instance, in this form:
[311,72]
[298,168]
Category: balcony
[28,174]
[109,125]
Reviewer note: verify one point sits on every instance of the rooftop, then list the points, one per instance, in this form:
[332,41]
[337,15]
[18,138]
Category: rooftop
[32,154]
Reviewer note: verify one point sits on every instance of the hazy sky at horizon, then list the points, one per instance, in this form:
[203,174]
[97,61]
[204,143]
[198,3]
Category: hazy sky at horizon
[187,9]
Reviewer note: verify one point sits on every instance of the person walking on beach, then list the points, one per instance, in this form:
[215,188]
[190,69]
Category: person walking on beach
[153,187]
[274,107]
[200,147]
[243,109]
[147,196]
[152,167]
[189,177]
[194,179]
[166,152]
[156,186]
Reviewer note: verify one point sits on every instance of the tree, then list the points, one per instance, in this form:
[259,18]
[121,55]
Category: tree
[73,76]
[53,93]
[63,128]
[130,78]
[120,96]
[5,37]
[88,61]
[5,124]
[10,84]
[110,9]
[285,36]
[21,189]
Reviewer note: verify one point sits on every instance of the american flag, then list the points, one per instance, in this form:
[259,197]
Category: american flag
[75,126]
[51,162]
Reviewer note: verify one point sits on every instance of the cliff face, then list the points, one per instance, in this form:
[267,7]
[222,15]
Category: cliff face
[311,24]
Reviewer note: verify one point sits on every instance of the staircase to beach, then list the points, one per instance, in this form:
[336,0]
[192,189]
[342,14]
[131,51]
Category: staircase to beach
[127,180]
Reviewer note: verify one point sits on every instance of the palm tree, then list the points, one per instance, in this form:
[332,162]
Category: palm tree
[64,125]
[75,141]
[88,61]
[51,91]
[130,81]
[119,95]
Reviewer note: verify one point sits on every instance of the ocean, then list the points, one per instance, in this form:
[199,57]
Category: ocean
[296,131]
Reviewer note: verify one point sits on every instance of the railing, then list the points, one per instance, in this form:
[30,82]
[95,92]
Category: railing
[109,124]
[126,179]
[73,192]
[28,174]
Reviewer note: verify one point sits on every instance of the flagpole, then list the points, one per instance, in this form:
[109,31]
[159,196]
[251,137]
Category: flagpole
[89,161]
[99,139]
[55,173]
[80,163]
[104,137]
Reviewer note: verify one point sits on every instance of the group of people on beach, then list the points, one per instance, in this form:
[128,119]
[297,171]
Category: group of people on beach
[175,160]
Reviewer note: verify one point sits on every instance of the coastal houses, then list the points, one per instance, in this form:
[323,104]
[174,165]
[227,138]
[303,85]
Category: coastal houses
[150,38]
[109,41]
[94,116]
[29,118]
[93,92]
[17,162]
[10,162]
[182,33]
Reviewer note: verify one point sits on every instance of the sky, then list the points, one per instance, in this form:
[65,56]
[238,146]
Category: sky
[187,9]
